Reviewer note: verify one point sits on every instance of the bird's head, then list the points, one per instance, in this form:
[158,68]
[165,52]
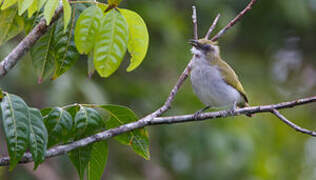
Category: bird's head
[204,48]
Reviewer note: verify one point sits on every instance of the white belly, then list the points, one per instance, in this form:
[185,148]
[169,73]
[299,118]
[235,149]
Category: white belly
[211,89]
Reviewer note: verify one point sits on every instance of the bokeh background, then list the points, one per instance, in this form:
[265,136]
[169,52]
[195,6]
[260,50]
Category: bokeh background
[273,49]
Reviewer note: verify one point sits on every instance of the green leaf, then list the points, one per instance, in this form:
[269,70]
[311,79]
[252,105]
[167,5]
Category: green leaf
[37,136]
[98,158]
[110,44]
[91,68]
[25,4]
[43,55]
[15,118]
[66,52]
[87,25]
[138,38]
[80,158]
[8,3]
[1,94]
[87,121]
[67,14]
[49,10]
[32,9]
[10,24]
[41,4]
[137,139]
[59,124]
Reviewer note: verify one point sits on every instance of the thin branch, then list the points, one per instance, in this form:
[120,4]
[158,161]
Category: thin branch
[236,19]
[292,125]
[63,149]
[212,27]
[195,26]
[15,55]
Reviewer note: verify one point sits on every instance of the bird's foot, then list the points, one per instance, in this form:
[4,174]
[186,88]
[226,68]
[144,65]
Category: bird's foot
[197,114]
[233,110]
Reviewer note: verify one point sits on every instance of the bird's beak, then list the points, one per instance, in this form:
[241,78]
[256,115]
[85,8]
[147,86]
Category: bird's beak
[194,43]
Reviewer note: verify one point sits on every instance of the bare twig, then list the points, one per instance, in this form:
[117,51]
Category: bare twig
[195,26]
[15,55]
[62,149]
[236,19]
[212,27]
[291,124]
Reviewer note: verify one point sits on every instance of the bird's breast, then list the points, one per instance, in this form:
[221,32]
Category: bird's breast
[209,86]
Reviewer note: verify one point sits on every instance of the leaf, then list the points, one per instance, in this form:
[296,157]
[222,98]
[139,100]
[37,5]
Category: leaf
[37,136]
[8,3]
[1,94]
[41,4]
[138,38]
[66,52]
[87,25]
[43,55]
[49,10]
[98,158]
[137,139]
[15,115]
[91,68]
[87,121]
[25,5]
[80,158]
[67,14]
[110,44]
[59,125]
[32,9]
[10,24]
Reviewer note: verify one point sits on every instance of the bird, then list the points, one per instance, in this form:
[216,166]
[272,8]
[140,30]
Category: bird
[213,80]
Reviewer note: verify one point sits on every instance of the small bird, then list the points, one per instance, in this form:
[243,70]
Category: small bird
[213,80]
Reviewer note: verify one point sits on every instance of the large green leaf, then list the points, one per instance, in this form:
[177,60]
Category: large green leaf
[67,13]
[137,139]
[87,121]
[25,4]
[8,3]
[49,10]
[15,118]
[59,124]
[87,25]
[43,55]
[98,158]
[10,24]
[33,8]
[41,4]
[138,38]
[110,43]
[66,52]
[37,136]
[80,158]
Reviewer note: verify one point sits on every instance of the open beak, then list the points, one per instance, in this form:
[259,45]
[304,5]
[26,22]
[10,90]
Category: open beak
[194,43]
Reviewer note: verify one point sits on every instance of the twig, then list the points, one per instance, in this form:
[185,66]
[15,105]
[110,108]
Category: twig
[195,26]
[292,125]
[15,55]
[236,19]
[62,149]
[212,27]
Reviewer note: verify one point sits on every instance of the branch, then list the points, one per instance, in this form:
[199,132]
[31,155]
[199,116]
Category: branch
[292,125]
[14,56]
[62,149]
[236,19]
[212,27]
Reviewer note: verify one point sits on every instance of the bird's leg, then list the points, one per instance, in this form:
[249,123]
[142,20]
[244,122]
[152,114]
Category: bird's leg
[234,108]
[200,111]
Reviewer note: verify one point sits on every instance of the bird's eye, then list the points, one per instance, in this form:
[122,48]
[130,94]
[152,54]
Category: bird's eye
[207,47]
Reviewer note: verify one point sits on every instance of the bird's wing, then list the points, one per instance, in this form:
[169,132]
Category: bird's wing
[231,78]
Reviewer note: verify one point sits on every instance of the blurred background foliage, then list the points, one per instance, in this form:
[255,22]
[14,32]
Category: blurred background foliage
[273,50]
